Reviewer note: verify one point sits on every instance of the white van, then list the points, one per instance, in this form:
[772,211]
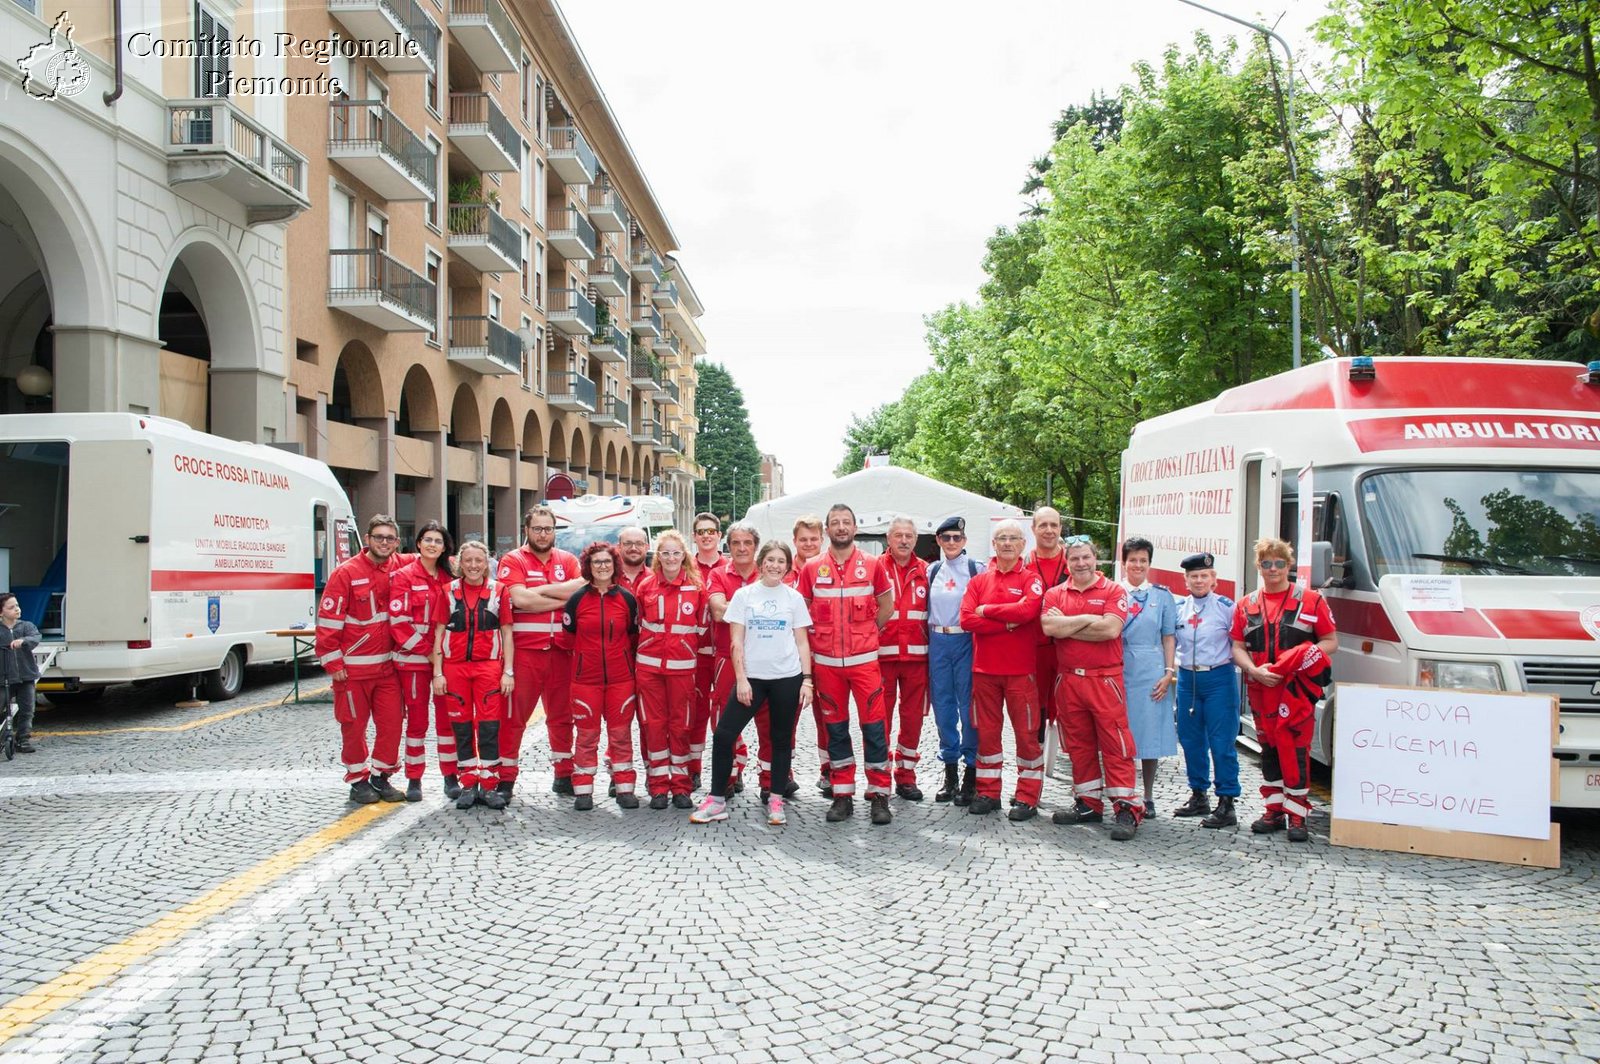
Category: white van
[1454,525]
[581,521]
[143,548]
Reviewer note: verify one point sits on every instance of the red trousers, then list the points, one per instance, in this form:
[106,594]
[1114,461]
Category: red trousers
[700,722]
[1020,698]
[542,676]
[1285,750]
[416,696]
[905,687]
[834,685]
[610,704]
[721,691]
[1044,681]
[476,709]
[666,702]
[355,702]
[1092,718]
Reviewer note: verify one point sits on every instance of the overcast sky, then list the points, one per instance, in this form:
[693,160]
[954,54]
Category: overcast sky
[832,169]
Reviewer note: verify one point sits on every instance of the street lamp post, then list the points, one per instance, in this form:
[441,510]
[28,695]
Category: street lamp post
[711,481]
[1294,170]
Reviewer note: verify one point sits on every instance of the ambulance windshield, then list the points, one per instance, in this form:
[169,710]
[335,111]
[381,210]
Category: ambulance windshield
[573,538]
[1466,522]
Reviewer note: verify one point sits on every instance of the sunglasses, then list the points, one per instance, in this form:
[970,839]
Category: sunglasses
[952,537]
[1272,563]
[1074,541]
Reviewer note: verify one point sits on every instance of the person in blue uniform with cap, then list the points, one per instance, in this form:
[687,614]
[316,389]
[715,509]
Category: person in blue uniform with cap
[1208,695]
[950,660]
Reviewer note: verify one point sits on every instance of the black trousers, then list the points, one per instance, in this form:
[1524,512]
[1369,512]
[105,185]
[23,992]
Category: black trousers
[783,706]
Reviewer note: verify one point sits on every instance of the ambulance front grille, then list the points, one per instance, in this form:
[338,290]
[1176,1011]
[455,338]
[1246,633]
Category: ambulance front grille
[1575,681]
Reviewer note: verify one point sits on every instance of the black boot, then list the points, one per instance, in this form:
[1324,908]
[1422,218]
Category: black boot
[879,804]
[1199,804]
[969,786]
[1223,817]
[385,789]
[952,784]
[452,787]
[843,809]
[910,792]
[413,790]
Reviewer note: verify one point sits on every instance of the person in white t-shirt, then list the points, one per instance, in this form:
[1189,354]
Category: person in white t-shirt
[771,659]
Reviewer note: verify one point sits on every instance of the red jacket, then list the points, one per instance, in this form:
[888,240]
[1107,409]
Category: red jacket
[672,621]
[520,568]
[353,619]
[844,607]
[1052,573]
[725,581]
[413,614]
[473,633]
[604,631]
[905,634]
[1010,598]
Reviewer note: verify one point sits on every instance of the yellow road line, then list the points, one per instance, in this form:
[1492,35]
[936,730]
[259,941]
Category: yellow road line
[77,981]
[199,722]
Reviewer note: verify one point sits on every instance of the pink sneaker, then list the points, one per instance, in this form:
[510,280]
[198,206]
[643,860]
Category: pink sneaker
[711,808]
[775,813]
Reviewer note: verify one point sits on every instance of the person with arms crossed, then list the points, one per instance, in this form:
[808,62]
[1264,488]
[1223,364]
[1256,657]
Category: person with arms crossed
[1208,695]
[1050,562]
[903,655]
[771,659]
[1001,610]
[1085,616]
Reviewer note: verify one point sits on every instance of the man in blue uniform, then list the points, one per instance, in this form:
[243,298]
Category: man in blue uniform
[950,660]
[1208,695]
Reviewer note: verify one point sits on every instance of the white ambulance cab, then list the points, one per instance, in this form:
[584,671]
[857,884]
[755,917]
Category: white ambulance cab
[143,548]
[587,518]
[1454,521]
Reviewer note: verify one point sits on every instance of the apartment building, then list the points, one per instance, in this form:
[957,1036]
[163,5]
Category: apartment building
[413,244]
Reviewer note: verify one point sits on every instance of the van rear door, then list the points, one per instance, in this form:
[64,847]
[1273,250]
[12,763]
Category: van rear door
[108,537]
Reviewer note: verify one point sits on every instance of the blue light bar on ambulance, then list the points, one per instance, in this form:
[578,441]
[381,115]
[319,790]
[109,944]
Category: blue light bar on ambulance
[1594,373]
[1362,369]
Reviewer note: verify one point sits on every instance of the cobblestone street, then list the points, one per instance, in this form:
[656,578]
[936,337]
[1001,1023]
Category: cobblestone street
[192,885]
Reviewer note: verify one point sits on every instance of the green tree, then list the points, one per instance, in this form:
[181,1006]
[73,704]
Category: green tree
[725,444]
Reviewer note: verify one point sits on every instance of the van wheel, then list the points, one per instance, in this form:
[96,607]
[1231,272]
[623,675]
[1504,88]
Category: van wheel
[74,698]
[224,682]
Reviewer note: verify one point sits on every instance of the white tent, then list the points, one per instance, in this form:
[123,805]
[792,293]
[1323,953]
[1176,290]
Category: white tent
[880,494]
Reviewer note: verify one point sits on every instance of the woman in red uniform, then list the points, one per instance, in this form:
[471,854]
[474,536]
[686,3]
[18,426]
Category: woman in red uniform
[672,618]
[413,591]
[603,618]
[472,671]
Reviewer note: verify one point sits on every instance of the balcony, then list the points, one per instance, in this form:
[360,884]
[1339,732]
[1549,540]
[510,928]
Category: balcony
[665,345]
[644,373]
[571,157]
[370,142]
[646,431]
[659,439]
[482,133]
[674,443]
[402,38]
[609,344]
[571,312]
[212,142]
[613,414]
[646,322]
[571,235]
[367,284]
[646,267]
[606,210]
[664,295]
[670,395]
[482,238]
[609,278]
[485,346]
[485,32]
[572,391]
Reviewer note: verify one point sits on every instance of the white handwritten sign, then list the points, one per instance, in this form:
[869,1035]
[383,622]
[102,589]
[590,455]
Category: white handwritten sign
[1456,760]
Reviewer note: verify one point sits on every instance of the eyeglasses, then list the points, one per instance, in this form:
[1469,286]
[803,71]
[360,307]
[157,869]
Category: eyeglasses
[382,538]
[541,528]
[430,541]
[1009,539]
[669,554]
[707,531]
[1076,541]
[951,537]
[1272,563]
[600,561]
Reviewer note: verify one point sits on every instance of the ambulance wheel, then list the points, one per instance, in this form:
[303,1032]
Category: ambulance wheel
[74,698]
[224,682]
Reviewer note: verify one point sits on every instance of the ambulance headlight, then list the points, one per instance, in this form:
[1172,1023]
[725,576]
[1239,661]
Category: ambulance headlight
[1482,675]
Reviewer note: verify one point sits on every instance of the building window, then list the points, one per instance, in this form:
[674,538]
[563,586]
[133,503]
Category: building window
[431,93]
[538,110]
[431,207]
[377,230]
[527,90]
[538,193]
[494,306]
[527,264]
[212,58]
[432,272]
[538,360]
[527,177]
[538,276]
[530,354]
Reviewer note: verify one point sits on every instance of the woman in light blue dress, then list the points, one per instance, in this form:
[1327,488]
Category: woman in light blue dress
[1149,664]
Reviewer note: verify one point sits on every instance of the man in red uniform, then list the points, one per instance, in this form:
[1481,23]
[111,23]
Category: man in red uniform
[539,579]
[903,655]
[707,535]
[850,598]
[807,545]
[1001,610]
[740,570]
[1085,616]
[1050,562]
[1272,627]
[354,645]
